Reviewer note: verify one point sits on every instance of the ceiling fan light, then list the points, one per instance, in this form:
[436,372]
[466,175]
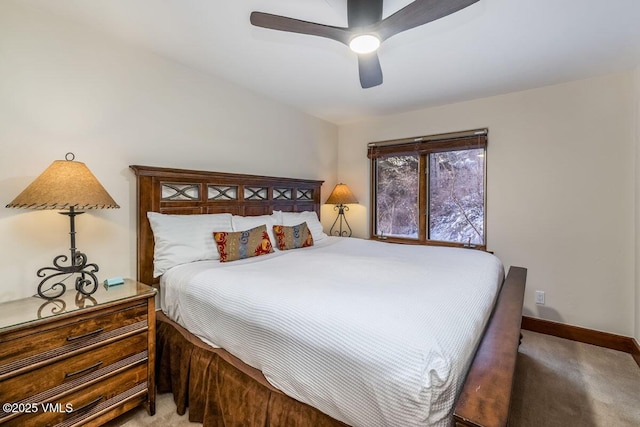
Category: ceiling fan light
[365,43]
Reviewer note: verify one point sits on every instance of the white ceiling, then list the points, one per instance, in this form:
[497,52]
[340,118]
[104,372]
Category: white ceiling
[489,48]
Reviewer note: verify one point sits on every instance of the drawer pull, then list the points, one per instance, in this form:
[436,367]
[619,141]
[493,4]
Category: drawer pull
[82,371]
[89,405]
[88,334]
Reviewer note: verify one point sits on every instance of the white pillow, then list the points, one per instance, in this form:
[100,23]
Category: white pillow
[180,239]
[311,218]
[243,223]
[277,217]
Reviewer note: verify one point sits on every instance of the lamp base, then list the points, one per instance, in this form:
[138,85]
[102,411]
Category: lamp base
[86,283]
[339,220]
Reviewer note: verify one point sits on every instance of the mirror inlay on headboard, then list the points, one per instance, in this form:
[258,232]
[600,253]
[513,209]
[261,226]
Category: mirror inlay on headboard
[256,193]
[305,194]
[282,193]
[222,192]
[180,191]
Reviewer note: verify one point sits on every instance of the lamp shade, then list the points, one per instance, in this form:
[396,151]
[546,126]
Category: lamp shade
[63,185]
[341,195]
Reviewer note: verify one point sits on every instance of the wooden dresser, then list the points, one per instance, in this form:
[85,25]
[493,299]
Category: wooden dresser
[77,360]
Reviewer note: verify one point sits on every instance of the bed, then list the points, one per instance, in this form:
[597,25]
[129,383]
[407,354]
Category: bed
[220,389]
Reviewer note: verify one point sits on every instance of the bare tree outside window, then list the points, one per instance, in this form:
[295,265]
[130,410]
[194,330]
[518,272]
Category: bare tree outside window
[397,189]
[456,196]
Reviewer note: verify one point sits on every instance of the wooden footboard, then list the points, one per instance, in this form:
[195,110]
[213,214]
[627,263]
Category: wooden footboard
[486,395]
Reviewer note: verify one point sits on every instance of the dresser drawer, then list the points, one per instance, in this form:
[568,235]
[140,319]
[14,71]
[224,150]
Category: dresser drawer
[72,332]
[69,369]
[50,412]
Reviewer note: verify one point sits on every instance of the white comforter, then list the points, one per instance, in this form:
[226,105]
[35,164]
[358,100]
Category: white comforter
[371,333]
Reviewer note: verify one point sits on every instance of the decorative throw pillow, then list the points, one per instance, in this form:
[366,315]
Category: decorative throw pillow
[293,237]
[240,223]
[310,217]
[237,245]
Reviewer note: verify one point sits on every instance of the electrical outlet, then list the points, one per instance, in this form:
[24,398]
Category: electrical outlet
[540,297]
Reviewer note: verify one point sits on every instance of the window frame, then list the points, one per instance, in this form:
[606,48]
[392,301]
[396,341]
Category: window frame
[424,146]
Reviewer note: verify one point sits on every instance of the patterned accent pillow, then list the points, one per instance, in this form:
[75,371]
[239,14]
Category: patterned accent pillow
[237,245]
[293,237]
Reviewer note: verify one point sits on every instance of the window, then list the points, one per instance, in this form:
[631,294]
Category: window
[397,191]
[430,189]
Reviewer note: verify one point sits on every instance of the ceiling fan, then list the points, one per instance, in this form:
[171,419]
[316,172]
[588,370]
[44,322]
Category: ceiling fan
[366,28]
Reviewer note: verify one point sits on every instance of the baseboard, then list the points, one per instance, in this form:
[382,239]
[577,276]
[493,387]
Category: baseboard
[636,352]
[584,335]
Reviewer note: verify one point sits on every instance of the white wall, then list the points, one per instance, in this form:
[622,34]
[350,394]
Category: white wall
[637,205]
[65,88]
[561,190]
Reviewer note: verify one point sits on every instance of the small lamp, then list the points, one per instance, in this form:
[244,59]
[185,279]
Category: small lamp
[66,184]
[341,196]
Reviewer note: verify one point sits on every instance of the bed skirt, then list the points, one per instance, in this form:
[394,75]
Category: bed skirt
[219,389]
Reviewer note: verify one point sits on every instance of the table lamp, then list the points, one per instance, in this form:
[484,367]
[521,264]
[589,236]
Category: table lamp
[340,197]
[70,186]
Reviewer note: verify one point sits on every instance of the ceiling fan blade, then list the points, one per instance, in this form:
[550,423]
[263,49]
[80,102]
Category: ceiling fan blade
[418,13]
[361,13]
[282,23]
[370,70]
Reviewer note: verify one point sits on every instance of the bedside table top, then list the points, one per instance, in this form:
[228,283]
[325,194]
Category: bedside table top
[33,309]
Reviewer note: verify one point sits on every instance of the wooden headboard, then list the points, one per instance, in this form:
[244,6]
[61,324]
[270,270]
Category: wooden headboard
[186,192]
